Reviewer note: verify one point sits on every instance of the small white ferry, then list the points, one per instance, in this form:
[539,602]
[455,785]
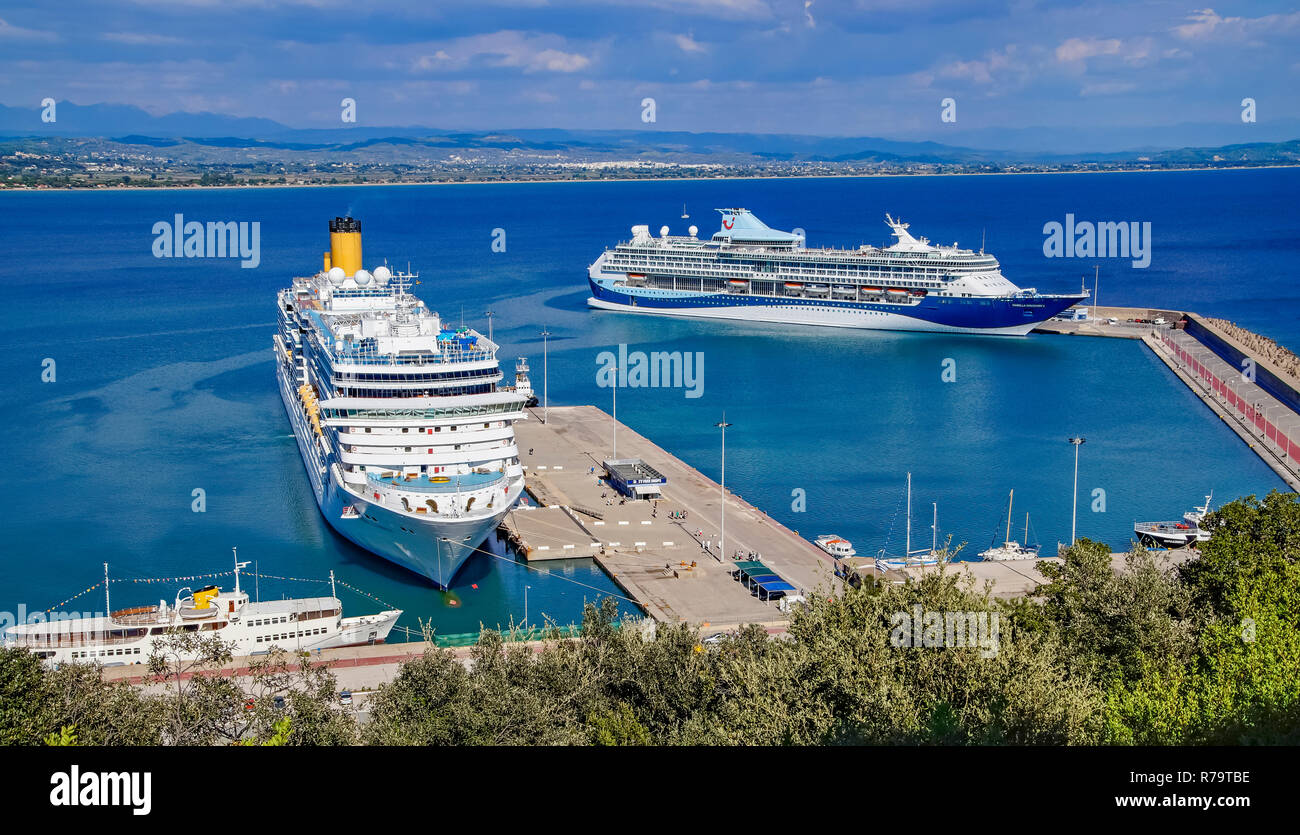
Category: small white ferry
[128,636]
[836,546]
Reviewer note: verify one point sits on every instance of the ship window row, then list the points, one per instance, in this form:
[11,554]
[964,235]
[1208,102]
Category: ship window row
[287,636]
[407,377]
[424,430]
[794,269]
[785,270]
[322,613]
[347,391]
[438,450]
[423,414]
[102,653]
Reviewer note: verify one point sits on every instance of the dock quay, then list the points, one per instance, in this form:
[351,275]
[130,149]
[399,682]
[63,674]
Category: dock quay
[658,559]
[1250,382]
[1014,578]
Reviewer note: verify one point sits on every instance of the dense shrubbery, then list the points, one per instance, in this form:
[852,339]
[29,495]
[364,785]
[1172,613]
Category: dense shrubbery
[1208,653]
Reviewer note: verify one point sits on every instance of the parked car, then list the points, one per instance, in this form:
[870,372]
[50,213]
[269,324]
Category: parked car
[279,702]
[345,698]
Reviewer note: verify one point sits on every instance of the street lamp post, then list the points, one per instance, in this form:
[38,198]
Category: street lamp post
[614,428]
[546,402]
[526,588]
[1078,441]
[722,489]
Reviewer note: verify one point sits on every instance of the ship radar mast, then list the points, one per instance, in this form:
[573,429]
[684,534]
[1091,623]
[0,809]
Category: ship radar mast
[238,565]
[905,239]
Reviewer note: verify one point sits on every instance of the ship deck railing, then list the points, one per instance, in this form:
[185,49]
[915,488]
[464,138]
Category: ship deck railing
[445,356]
[463,482]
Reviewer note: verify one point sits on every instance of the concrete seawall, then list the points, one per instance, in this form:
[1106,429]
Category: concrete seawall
[1239,375]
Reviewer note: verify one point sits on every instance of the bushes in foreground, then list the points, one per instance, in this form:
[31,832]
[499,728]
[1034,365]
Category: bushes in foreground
[1205,653]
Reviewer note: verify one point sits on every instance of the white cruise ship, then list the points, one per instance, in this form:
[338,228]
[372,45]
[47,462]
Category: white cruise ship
[750,271]
[129,636]
[407,437]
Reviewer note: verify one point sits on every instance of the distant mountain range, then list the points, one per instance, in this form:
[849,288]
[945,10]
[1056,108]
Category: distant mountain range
[128,125]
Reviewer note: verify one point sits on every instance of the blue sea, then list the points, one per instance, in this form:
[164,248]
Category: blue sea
[163,373]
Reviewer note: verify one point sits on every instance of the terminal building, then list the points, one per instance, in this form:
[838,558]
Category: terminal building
[635,478]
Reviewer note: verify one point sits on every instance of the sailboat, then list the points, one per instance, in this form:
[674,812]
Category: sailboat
[920,557]
[684,215]
[1010,549]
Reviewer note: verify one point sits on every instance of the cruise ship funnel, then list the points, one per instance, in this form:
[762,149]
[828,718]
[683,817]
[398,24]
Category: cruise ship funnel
[345,244]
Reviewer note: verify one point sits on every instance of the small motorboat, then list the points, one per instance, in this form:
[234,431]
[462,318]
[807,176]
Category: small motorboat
[836,546]
[1182,534]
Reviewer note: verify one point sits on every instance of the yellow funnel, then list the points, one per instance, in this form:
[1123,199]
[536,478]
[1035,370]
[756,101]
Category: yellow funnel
[345,244]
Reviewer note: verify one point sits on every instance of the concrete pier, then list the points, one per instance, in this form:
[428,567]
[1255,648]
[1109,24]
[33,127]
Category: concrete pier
[660,561]
[1270,427]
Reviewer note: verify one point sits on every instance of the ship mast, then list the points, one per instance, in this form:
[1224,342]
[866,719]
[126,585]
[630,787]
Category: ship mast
[907,549]
[1010,499]
[238,565]
[108,609]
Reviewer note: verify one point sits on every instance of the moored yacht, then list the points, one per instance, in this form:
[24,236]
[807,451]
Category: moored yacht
[1010,549]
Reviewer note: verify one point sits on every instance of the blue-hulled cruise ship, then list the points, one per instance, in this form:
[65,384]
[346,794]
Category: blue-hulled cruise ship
[748,270]
[407,437]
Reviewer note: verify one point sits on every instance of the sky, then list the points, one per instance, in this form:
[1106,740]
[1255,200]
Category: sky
[848,68]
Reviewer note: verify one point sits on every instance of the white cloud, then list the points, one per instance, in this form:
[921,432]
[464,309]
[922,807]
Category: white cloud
[980,71]
[1207,24]
[1081,49]
[1107,88]
[507,48]
[17,33]
[687,43]
[140,39]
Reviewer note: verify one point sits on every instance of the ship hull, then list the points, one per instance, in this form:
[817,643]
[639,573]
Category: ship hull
[1001,316]
[433,548]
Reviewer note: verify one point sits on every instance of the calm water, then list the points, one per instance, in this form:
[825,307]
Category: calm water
[164,377]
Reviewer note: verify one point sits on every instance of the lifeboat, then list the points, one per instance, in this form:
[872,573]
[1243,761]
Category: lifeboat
[792,285]
[737,282]
[846,291]
[896,291]
[871,289]
[816,288]
[920,294]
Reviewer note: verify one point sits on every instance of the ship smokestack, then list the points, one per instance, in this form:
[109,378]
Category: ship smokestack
[345,244]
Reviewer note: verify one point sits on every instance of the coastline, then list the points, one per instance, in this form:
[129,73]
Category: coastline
[566,180]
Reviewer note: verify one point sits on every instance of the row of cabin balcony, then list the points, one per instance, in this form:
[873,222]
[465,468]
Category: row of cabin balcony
[743,271]
[432,456]
[426,429]
[462,436]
